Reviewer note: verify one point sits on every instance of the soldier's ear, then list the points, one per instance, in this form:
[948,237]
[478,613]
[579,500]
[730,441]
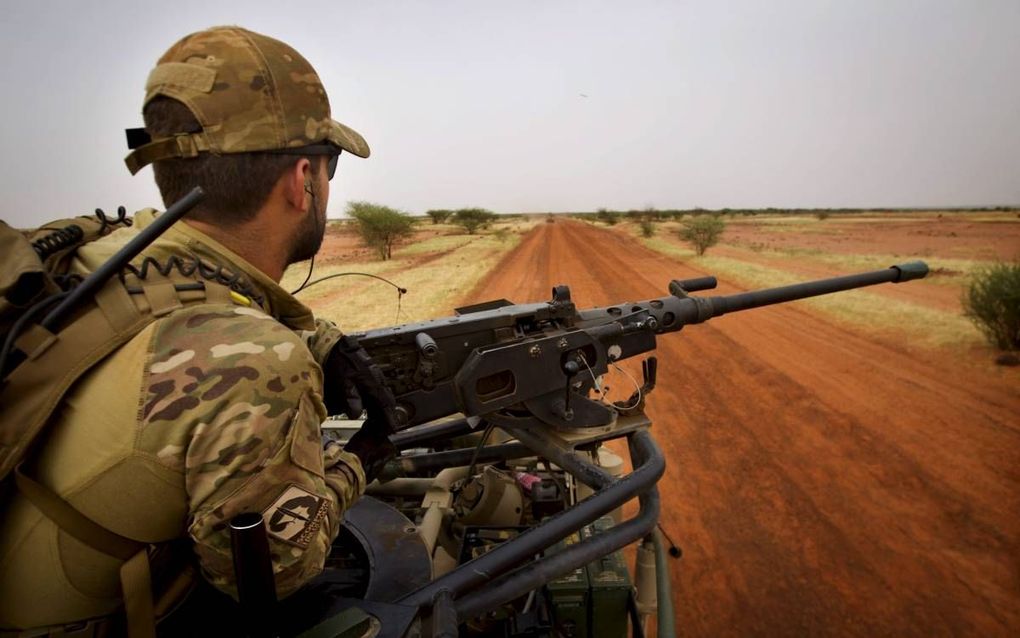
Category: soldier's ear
[293,184]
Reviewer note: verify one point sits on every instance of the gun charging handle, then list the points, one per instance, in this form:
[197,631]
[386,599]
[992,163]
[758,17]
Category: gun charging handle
[426,345]
[570,368]
[253,572]
[680,287]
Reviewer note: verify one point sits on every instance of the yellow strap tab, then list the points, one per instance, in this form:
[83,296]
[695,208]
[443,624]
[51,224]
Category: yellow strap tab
[240,299]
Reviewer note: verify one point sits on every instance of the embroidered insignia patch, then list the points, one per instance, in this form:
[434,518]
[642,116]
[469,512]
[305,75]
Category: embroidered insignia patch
[295,516]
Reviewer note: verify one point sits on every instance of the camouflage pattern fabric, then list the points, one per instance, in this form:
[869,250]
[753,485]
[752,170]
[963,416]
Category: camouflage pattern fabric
[233,402]
[250,92]
[250,382]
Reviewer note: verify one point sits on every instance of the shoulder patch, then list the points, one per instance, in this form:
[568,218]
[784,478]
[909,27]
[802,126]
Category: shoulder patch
[295,516]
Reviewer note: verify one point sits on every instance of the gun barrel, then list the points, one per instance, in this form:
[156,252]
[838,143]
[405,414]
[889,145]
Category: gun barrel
[707,307]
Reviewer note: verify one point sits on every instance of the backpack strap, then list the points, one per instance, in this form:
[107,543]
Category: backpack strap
[72,521]
[135,579]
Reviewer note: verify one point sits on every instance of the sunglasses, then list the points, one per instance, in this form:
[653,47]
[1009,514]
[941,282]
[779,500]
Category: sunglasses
[314,149]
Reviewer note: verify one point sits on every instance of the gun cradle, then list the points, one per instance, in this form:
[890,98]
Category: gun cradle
[510,360]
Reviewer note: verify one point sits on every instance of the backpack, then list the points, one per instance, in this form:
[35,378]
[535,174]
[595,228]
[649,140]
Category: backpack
[54,327]
[35,264]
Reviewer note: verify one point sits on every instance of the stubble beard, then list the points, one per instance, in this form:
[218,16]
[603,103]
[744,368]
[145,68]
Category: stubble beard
[308,237]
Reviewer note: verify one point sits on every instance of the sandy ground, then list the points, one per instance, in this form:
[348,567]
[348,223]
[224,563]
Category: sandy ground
[927,235]
[819,481]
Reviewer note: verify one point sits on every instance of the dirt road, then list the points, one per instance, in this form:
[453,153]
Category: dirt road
[819,481]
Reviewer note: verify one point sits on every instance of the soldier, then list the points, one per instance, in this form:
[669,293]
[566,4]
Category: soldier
[214,408]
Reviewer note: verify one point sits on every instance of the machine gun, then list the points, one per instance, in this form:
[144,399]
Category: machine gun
[528,370]
[521,364]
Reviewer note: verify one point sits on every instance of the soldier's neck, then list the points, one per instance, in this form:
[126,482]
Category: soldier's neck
[260,247]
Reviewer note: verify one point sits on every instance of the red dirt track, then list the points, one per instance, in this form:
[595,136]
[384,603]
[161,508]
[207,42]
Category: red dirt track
[819,481]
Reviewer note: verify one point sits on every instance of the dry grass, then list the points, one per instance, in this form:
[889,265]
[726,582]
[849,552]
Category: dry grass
[854,262]
[923,325]
[436,272]
[441,243]
[860,308]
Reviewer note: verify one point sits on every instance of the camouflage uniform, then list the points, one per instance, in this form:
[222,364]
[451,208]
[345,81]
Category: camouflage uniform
[210,411]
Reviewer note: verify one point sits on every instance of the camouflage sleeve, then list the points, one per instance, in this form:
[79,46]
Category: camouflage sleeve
[234,398]
[323,339]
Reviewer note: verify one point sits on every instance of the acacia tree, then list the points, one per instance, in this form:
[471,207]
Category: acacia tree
[471,219]
[702,232]
[439,215]
[380,226]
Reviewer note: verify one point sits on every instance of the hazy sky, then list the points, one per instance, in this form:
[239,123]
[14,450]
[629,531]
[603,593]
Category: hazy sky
[712,104]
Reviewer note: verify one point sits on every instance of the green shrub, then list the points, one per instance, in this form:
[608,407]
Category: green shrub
[472,219]
[702,232]
[992,302]
[380,226]
[439,215]
[822,215]
[610,217]
[647,228]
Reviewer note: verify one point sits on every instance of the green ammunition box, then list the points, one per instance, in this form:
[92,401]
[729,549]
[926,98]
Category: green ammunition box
[568,596]
[610,588]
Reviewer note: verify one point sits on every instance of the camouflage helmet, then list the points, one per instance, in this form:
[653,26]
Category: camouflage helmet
[248,91]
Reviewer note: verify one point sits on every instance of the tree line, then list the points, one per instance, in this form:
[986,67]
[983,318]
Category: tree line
[381,227]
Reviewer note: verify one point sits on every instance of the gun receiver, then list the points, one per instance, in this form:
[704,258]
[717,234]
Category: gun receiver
[528,363]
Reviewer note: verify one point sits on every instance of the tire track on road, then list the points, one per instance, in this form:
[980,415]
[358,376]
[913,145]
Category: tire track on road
[820,481]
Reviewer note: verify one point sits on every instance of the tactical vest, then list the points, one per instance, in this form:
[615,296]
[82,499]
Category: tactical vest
[40,363]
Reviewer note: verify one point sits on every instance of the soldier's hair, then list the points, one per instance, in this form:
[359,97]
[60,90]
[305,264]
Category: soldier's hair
[236,185]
